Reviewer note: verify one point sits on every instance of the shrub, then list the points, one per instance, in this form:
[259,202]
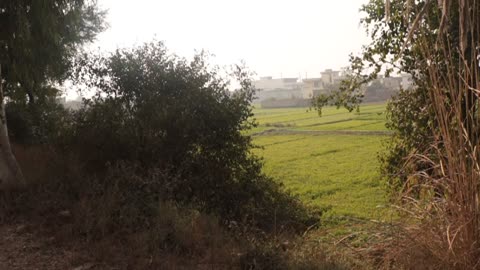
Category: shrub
[409,116]
[162,113]
[158,160]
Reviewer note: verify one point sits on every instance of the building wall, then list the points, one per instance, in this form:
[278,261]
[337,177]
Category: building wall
[284,88]
[311,87]
[330,76]
[279,94]
[268,83]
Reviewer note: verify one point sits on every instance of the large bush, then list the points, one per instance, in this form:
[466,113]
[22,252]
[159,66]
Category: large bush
[161,112]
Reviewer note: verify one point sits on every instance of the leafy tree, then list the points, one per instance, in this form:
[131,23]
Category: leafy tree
[38,39]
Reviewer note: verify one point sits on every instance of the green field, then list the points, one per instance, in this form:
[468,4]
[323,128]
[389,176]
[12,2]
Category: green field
[329,161]
[370,118]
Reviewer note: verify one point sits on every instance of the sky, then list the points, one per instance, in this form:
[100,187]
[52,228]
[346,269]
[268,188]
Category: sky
[279,38]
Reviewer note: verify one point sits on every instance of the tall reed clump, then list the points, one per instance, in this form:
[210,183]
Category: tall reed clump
[445,196]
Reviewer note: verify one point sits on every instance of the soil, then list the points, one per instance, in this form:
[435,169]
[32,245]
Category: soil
[21,249]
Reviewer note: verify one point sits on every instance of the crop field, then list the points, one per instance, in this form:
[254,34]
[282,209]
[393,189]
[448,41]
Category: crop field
[329,161]
[370,118]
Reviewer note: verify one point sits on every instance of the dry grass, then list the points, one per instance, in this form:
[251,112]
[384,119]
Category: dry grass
[63,204]
[97,216]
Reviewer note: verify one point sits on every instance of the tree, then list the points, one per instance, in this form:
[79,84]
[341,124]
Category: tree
[38,39]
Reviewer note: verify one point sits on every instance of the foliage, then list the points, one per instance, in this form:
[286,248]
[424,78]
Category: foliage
[38,40]
[160,111]
[344,94]
[40,123]
[410,117]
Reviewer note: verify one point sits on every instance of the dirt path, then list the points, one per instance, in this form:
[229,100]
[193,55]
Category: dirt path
[20,249]
[320,132]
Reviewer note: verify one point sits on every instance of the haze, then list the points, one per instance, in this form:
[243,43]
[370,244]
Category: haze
[277,38]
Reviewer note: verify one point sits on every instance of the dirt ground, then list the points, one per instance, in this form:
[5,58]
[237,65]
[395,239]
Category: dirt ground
[20,249]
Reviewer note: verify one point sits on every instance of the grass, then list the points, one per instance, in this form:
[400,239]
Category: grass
[327,167]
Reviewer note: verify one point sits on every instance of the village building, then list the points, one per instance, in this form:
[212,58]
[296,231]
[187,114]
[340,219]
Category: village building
[283,88]
[292,92]
[312,87]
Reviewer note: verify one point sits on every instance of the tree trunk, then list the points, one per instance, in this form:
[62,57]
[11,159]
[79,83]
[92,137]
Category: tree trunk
[11,175]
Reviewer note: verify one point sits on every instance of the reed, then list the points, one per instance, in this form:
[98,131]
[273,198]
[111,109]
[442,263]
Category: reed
[446,210]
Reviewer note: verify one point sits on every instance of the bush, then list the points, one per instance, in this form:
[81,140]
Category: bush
[130,206]
[409,116]
[157,161]
[162,113]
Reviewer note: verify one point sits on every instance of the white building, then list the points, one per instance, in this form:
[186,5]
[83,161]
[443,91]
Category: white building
[271,89]
[330,76]
[312,87]
[283,88]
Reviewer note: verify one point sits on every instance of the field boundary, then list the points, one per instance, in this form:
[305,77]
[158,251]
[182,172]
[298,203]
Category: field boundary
[271,132]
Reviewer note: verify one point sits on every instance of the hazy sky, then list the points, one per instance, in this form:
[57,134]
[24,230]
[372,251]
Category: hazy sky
[274,37]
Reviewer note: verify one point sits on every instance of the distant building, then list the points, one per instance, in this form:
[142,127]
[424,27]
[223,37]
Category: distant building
[291,88]
[384,88]
[268,83]
[403,81]
[280,94]
[284,88]
[329,80]
[291,92]
[330,76]
[312,87]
